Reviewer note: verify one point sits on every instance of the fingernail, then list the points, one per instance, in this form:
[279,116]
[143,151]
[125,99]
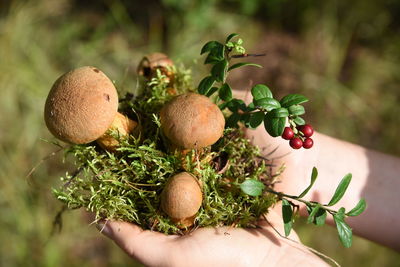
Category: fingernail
[104,228]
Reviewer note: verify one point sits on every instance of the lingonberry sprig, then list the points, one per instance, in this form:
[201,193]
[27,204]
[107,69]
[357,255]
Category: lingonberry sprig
[317,212]
[275,114]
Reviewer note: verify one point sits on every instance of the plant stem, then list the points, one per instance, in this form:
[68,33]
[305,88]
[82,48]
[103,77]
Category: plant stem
[308,203]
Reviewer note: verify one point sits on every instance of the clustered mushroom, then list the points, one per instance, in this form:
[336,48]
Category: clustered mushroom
[150,63]
[181,199]
[82,107]
[191,121]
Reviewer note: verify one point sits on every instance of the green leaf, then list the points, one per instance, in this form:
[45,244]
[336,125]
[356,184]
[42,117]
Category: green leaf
[232,120]
[296,110]
[209,46]
[274,126]
[216,54]
[251,107]
[212,59]
[314,175]
[211,91]
[267,103]
[218,71]
[340,190]
[358,209]
[320,217]
[279,113]
[235,104]
[230,36]
[287,214]
[261,91]
[255,119]
[225,92]
[241,64]
[205,85]
[252,187]
[344,230]
[292,99]
[313,212]
[299,121]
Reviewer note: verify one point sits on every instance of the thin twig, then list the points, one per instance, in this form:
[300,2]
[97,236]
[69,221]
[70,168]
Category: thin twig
[248,55]
[43,160]
[316,252]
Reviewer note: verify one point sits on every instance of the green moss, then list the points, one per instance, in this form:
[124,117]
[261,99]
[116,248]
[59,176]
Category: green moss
[126,185]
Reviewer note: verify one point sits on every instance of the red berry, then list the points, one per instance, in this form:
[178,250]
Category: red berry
[296,143]
[308,143]
[287,133]
[307,130]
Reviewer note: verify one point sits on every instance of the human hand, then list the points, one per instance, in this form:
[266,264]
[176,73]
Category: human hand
[220,246]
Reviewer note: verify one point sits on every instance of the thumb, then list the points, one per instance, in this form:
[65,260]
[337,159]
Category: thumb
[150,248]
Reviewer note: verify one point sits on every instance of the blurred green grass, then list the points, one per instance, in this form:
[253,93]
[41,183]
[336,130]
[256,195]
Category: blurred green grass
[345,57]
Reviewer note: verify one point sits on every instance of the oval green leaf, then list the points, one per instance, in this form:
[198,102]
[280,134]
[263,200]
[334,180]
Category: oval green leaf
[344,230]
[314,210]
[358,209]
[279,113]
[261,91]
[218,71]
[225,92]
[252,187]
[299,121]
[205,85]
[255,120]
[320,217]
[292,99]
[230,36]
[209,46]
[235,104]
[314,175]
[211,91]
[296,110]
[241,64]
[274,126]
[340,190]
[267,103]
[232,120]
[287,214]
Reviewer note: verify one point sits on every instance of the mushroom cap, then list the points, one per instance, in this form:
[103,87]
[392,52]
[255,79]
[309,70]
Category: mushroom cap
[192,121]
[182,197]
[153,61]
[81,105]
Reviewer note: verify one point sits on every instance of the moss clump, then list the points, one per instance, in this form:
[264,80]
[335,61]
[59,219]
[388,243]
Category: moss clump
[126,185]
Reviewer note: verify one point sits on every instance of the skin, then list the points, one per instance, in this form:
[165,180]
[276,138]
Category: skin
[375,177]
[222,246]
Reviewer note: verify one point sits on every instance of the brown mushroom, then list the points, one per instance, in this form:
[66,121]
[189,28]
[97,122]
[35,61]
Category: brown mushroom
[192,121]
[181,199]
[151,62]
[82,105]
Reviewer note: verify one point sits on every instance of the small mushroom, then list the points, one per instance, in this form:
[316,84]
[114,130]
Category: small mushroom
[151,62]
[191,121]
[82,105]
[181,199]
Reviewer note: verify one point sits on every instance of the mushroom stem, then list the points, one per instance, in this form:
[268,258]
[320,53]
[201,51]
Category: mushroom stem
[124,126]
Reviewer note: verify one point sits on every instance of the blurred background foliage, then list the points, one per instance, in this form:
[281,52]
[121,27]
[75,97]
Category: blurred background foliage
[343,55]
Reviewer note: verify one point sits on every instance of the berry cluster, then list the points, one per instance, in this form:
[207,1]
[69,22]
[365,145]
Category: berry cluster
[299,136]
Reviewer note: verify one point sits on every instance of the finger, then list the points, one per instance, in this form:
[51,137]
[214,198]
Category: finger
[150,248]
